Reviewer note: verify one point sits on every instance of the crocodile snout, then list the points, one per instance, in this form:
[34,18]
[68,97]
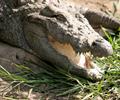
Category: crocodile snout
[101,48]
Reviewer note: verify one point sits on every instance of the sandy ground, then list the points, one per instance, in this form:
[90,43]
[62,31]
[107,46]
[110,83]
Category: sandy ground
[100,5]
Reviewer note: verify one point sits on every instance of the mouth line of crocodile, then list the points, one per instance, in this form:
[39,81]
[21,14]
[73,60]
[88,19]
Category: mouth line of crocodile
[83,60]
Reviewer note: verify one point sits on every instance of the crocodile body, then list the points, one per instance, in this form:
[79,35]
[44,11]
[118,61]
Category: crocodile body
[46,28]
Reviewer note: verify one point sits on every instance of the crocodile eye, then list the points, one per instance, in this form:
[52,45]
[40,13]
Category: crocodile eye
[48,11]
[61,17]
[53,12]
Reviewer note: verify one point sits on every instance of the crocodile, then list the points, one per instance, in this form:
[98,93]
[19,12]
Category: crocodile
[57,32]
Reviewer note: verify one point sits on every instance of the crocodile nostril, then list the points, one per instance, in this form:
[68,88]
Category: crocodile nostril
[94,44]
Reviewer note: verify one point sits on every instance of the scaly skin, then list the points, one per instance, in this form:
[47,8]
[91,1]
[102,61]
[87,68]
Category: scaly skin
[29,26]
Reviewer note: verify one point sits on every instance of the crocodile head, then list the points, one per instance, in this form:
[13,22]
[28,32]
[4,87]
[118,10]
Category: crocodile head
[66,40]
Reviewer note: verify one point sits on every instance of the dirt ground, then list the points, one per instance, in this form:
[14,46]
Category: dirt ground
[100,5]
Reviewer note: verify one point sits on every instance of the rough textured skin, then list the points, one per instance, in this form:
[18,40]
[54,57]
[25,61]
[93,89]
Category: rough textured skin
[27,24]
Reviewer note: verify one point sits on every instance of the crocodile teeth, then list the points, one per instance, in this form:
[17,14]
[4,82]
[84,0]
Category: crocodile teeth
[85,60]
[81,59]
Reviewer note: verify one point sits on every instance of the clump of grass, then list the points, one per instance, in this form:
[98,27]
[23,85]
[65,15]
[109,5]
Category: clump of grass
[62,83]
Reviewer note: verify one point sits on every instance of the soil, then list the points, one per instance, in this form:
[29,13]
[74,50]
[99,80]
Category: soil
[106,6]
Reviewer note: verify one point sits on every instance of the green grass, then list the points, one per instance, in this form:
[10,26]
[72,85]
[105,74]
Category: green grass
[62,83]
